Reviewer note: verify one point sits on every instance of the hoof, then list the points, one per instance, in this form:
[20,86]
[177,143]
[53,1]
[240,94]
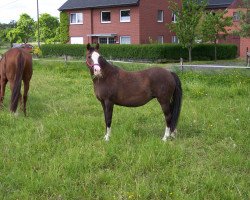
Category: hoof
[106,138]
[15,114]
[173,134]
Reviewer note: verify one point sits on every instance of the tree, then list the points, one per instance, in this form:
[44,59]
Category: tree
[214,27]
[23,31]
[26,27]
[188,15]
[64,27]
[48,26]
[4,29]
[245,19]
[13,36]
[57,38]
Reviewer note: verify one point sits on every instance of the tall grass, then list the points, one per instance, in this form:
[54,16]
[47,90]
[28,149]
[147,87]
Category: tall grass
[58,151]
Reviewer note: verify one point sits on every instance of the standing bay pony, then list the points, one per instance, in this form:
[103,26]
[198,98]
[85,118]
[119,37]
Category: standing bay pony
[113,85]
[15,66]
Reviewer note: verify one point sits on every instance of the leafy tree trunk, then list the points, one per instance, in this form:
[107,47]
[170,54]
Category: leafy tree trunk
[190,54]
[215,50]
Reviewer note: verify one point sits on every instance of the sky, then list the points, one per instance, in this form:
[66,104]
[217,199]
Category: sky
[12,9]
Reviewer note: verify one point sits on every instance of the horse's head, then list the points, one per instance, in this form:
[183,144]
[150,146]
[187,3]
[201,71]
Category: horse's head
[92,60]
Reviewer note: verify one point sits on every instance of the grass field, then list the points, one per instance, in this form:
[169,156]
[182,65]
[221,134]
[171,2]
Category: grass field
[58,151]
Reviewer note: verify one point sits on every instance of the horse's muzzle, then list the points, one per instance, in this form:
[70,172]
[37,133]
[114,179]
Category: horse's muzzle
[97,70]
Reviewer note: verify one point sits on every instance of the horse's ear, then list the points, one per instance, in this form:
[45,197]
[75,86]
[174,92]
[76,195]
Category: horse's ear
[88,46]
[97,46]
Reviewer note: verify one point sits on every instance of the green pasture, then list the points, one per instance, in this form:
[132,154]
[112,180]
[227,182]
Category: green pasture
[58,151]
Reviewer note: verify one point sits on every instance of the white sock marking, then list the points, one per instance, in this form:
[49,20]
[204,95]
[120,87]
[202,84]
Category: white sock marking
[167,134]
[108,133]
[173,134]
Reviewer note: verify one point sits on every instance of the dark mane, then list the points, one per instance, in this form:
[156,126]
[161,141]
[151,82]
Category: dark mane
[107,66]
[91,49]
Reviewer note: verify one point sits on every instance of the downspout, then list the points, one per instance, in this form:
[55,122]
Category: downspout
[91,25]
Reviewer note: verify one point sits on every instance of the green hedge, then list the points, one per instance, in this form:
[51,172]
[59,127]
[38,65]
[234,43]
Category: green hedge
[149,52]
[75,50]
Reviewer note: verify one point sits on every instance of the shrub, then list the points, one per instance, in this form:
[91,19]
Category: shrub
[74,50]
[64,27]
[146,52]
[37,51]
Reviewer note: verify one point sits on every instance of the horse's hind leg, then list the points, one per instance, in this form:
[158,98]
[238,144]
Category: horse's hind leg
[25,95]
[165,105]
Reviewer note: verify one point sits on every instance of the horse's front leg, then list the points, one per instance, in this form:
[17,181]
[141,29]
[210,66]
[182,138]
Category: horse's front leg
[108,111]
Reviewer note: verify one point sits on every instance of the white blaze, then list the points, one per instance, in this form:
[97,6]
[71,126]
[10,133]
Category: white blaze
[97,70]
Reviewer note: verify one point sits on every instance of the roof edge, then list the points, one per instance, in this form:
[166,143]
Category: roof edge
[100,6]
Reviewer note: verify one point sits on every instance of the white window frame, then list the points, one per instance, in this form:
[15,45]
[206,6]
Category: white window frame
[107,40]
[161,12]
[105,22]
[160,39]
[175,39]
[78,16]
[129,15]
[173,18]
[125,36]
[236,16]
[77,39]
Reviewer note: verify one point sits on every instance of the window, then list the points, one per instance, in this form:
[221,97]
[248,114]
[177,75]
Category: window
[160,39]
[76,40]
[173,17]
[76,18]
[105,17]
[125,16]
[160,16]
[125,40]
[106,40]
[175,39]
[236,16]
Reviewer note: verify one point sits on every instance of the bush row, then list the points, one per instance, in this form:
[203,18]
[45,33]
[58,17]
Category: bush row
[150,52]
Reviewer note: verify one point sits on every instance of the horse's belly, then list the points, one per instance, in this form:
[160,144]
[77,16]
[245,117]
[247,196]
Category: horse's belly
[133,101]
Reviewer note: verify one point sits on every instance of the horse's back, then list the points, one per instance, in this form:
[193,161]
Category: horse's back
[12,57]
[161,81]
[154,75]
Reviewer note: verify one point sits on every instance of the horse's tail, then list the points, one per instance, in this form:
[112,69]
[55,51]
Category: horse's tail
[18,82]
[175,106]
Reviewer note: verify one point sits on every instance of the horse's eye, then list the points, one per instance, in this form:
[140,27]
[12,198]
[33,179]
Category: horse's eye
[89,57]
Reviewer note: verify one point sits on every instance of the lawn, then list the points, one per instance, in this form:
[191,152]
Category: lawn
[58,150]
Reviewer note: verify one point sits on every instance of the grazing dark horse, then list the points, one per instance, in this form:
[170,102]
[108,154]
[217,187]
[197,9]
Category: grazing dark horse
[15,66]
[116,86]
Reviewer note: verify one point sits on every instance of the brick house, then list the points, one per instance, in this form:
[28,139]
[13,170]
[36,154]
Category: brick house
[233,7]
[118,21]
[134,21]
